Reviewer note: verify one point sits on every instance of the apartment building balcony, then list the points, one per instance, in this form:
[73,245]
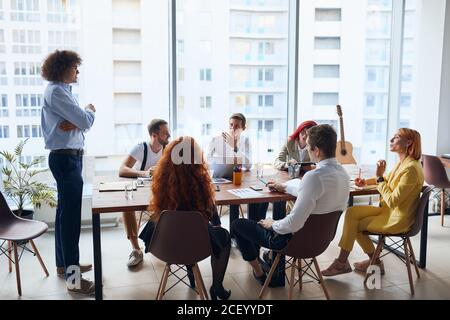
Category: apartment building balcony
[327,57]
[236,88]
[250,34]
[259,5]
[255,60]
[328,29]
[253,112]
[326,84]
[127,84]
[123,52]
[132,114]
[126,20]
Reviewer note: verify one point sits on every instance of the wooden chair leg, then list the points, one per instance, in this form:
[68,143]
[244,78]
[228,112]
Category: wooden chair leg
[241,212]
[160,284]
[408,267]
[16,264]
[300,274]
[10,250]
[292,281]
[38,256]
[269,277]
[442,206]
[413,257]
[199,282]
[220,211]
[375,256]
[140,219]
[164,282]
[319,273]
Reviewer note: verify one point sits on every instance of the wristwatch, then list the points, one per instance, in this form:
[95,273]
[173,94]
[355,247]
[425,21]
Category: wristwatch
[380,179]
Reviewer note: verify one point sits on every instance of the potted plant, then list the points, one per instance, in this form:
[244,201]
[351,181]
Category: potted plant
[21,185]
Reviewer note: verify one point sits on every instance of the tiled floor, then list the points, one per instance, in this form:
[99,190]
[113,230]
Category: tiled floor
[142,283]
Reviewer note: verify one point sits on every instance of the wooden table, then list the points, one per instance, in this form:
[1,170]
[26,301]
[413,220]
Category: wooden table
[108,202]
[115,201]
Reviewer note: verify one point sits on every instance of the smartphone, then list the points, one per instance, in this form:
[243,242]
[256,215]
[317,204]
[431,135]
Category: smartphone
[256,188]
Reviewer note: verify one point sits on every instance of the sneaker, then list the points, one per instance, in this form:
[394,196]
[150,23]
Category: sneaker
[136,257]
[337,268]
[87,287]
[363,265]
[60,271]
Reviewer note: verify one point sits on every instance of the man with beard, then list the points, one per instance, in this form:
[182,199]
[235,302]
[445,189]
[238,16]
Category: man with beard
[141,162]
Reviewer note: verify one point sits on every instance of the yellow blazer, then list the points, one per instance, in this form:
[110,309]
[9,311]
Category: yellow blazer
[399,198]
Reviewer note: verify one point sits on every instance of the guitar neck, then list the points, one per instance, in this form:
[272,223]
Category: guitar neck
[341,123]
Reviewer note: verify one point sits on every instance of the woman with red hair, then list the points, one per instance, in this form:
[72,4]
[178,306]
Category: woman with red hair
[294,150]
[182,182]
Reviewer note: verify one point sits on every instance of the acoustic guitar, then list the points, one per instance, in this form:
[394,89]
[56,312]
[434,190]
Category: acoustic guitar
[344,149]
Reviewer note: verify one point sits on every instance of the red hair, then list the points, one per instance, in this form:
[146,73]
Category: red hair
[182,186]
[301,127]
[414,150]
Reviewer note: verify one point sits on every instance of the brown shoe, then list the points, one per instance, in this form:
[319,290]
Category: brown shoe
[60,271]
[336,268]
[86,287]
[363,265]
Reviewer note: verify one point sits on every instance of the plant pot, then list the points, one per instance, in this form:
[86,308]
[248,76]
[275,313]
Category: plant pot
[26,214]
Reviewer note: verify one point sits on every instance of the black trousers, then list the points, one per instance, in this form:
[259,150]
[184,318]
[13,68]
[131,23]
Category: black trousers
[250,236]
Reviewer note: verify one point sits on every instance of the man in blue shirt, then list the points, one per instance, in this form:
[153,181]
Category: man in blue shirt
[64,124]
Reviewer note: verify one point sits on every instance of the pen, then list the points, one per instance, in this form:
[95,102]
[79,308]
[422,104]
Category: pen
[265,182]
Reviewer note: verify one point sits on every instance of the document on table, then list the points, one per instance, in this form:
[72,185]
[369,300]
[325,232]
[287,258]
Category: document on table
[246,193]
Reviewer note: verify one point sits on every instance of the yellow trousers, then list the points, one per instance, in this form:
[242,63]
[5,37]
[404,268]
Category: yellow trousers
[357,220]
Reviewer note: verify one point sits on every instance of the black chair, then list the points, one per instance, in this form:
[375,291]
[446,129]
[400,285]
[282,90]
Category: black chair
[307,243]
[17,232]
[181,238]
[404,241]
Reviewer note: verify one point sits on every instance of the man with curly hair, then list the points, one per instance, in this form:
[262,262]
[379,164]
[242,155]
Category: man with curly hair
[64,124]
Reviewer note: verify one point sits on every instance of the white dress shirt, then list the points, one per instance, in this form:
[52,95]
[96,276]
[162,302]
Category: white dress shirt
[323,190]
[218,148]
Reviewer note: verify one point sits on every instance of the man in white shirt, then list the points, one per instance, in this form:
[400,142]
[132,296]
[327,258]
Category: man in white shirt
[233,143]
[323,190]
[141,162]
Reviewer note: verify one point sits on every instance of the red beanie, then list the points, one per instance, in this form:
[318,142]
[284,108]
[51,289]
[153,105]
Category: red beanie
[304,125]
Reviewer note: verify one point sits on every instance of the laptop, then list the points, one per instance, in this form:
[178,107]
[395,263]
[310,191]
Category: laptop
[222,167]
[222,170]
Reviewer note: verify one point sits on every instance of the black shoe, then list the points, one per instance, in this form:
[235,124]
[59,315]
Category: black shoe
[261,279]
[222,294]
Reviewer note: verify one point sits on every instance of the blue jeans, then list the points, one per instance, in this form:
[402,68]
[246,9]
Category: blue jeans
[66,170]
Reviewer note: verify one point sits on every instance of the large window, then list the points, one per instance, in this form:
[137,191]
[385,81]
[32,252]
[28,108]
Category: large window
[243,67]
[226,56]
[29,30]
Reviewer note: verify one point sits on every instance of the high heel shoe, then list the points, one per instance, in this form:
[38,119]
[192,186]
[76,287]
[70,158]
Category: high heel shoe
[222,294]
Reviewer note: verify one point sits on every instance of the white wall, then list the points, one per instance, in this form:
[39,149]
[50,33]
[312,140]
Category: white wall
[443,142]
[429,57]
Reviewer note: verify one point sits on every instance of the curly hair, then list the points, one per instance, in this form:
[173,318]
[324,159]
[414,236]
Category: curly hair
[57,64]
[182,185]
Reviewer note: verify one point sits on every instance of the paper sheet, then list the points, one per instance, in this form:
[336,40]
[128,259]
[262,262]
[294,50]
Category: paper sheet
[246,193]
